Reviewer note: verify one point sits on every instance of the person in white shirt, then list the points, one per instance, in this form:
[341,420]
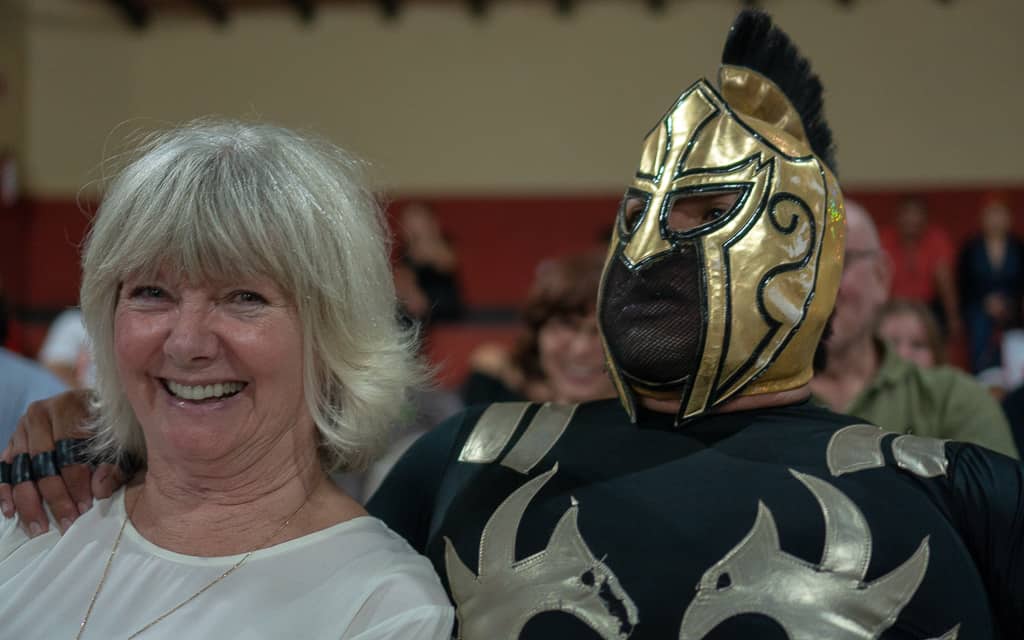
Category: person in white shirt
[66,351]
[237,292]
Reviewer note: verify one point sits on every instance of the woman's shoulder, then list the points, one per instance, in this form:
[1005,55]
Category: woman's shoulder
[364,546]
[369,540]
[395,581]
[406,592]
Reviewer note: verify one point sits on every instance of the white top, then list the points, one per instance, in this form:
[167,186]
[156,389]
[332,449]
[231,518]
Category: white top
[356,580]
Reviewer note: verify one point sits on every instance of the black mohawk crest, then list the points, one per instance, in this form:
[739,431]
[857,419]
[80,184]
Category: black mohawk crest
[756,43]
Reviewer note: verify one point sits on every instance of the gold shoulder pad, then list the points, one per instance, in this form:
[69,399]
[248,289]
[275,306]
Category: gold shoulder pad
[859,447]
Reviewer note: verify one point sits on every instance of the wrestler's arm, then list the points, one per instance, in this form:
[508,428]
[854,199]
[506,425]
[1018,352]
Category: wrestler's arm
[988,505]
[70,490]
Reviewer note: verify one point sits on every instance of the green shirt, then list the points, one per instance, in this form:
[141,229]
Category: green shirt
[939,402]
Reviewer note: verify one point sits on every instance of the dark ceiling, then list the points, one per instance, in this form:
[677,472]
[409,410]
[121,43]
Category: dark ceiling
[141,13]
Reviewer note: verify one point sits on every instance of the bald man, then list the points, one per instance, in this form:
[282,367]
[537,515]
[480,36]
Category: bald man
[865,378]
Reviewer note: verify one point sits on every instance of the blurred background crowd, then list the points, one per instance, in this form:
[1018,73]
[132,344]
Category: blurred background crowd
[502,134]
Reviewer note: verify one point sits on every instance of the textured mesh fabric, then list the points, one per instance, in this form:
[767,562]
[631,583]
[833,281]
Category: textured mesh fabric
[652,318]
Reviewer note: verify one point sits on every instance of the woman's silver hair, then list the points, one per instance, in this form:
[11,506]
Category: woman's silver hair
[224,199]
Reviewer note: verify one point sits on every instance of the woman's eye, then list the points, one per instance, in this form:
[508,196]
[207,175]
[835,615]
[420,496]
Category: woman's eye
[248,298]
[148,292]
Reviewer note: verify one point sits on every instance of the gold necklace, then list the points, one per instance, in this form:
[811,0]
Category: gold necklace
[229,571]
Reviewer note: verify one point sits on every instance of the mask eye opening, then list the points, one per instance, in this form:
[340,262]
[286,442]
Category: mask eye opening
[696,209]
[632,211]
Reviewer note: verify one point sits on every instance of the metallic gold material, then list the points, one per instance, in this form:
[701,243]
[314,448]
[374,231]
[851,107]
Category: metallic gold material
[771,266]
[541,434]
[829,600]
[925,457]
[855,448]
[859,447]
[759,98]
[492,432]
[497,602]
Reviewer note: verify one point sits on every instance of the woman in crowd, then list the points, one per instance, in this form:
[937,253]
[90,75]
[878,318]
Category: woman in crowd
[559,357]
[237,291]
[990,271]
[426,275]
[912,332]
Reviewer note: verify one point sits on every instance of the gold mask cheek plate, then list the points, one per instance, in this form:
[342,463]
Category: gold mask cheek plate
[794,365]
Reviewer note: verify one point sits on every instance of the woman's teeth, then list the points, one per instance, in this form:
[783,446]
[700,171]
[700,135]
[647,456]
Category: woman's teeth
[204,392]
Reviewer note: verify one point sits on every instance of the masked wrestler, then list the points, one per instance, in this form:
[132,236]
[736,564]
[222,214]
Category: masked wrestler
[712,500]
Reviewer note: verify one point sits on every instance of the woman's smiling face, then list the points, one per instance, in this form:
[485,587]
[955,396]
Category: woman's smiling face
[211,369]
[572,358]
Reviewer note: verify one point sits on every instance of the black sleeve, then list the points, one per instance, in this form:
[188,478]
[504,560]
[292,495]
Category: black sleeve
[988,504]
[405,499]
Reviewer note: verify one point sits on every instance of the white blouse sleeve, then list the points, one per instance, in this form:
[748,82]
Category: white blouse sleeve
[430,622]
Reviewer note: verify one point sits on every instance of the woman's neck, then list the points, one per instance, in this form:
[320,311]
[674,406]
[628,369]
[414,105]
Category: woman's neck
[216,514]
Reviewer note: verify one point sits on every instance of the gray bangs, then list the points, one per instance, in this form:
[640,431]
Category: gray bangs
[204,220]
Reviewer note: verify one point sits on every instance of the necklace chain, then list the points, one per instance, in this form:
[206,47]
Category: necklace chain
[229,571]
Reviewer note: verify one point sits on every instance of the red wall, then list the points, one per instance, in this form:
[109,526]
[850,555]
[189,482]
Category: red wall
[499,241]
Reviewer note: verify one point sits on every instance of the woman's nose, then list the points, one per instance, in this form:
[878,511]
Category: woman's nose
[191,339]
[584,341]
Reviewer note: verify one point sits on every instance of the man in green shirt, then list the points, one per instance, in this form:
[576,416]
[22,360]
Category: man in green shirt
[864,378]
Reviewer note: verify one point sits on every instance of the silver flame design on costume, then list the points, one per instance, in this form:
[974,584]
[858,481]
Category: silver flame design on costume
[828,600]
[565,576]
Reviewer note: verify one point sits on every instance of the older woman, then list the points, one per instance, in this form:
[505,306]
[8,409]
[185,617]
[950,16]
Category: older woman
[237,290]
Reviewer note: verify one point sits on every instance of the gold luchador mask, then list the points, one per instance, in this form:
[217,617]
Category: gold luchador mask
[735,304]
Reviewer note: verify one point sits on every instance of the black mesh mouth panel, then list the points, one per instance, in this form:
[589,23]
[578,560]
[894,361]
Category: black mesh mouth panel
[652,318]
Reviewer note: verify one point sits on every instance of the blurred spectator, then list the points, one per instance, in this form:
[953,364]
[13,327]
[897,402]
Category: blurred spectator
[5,315]
[910,329]
[66,350]
[921,258]
[21,381]
[865,378]
[426,275]
[560,357]
[990,274]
